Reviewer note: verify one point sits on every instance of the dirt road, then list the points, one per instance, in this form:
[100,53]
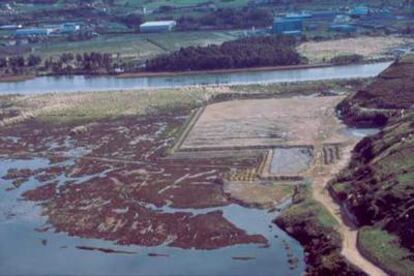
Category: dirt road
[321,175]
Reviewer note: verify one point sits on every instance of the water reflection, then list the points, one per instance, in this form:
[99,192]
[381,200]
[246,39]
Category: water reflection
[30,252]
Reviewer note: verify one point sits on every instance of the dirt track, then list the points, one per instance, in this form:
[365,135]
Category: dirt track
[321,175]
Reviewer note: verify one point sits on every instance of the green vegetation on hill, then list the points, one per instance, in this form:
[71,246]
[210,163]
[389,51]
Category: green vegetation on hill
[377,188]
[384,98]
[384,249]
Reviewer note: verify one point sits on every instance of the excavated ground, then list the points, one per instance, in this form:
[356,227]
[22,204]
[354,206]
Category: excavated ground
[262,123]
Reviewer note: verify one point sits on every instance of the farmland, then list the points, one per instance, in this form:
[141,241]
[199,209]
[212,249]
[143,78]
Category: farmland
[135,46]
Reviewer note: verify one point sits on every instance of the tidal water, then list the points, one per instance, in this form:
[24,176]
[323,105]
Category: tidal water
[25,251]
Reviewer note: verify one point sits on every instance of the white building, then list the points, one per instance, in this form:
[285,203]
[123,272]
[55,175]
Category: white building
[157,26]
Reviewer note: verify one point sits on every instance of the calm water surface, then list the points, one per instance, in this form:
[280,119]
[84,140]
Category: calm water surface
[22,251]
[43,85]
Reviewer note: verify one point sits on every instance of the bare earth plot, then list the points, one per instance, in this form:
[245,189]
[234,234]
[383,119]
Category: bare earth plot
[282,131]
[265,123]
[369,47]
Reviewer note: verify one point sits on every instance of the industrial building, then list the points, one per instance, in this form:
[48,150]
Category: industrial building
[298,15]
[33,32]
[157,26]
[359,11]
[287,26]
[11,27]
[68,28]
[343,28]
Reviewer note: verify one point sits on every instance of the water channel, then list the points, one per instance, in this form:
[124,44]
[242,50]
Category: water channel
[67,84]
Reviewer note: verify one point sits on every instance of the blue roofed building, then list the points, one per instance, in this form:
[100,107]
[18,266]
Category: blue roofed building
[289,26]
[359,11]
[343,28]
[299,15]
[27,32]
[68,28]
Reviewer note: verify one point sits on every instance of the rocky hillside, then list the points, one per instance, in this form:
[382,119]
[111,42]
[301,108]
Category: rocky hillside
[377,189]
[391,92]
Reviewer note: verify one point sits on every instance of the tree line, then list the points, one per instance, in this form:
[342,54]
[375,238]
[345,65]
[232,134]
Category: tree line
[66,63]
[246,17]
[18,64]
[242,53]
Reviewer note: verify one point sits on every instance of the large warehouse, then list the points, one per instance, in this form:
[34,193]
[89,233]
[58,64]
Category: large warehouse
[287,26]
[157,26]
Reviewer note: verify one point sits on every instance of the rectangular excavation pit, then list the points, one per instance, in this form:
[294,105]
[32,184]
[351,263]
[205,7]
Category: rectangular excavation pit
[290,161]
[261,124]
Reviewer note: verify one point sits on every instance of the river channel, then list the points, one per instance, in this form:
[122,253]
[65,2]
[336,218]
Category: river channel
[41,85]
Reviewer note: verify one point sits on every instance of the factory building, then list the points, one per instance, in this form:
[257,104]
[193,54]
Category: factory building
[68,28]
[33,32]
[287,26]
[343,28]
[298,15]
[11,27]
[157,26]
[359,11]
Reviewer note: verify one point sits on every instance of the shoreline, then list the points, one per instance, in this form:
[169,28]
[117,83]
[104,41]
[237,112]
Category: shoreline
[221,71]
[132,75]
[16,78]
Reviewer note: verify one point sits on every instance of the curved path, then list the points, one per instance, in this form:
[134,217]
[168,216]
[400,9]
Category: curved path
[321,175]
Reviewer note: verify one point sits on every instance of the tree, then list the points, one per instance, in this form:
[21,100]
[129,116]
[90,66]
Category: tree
[17,61]
[33,60]
[3,62]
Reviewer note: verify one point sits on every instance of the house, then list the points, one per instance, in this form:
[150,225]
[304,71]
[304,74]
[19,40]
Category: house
[157,26]
[287,26]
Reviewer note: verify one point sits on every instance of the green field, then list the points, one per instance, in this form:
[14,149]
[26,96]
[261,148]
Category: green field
[134,46]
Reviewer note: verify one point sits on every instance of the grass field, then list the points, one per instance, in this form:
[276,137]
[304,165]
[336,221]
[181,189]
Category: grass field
[95,106]
[92,106]
[384,249]
[310,209]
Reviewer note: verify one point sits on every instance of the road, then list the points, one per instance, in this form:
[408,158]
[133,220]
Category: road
[321,175]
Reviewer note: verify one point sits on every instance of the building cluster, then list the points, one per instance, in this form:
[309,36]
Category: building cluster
[346,21]
[64,29]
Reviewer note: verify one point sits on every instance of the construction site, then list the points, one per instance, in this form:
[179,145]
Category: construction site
[285,133]
[129,179]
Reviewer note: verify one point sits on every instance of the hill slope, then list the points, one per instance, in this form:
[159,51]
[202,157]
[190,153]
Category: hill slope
[384,98]
[377,189]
